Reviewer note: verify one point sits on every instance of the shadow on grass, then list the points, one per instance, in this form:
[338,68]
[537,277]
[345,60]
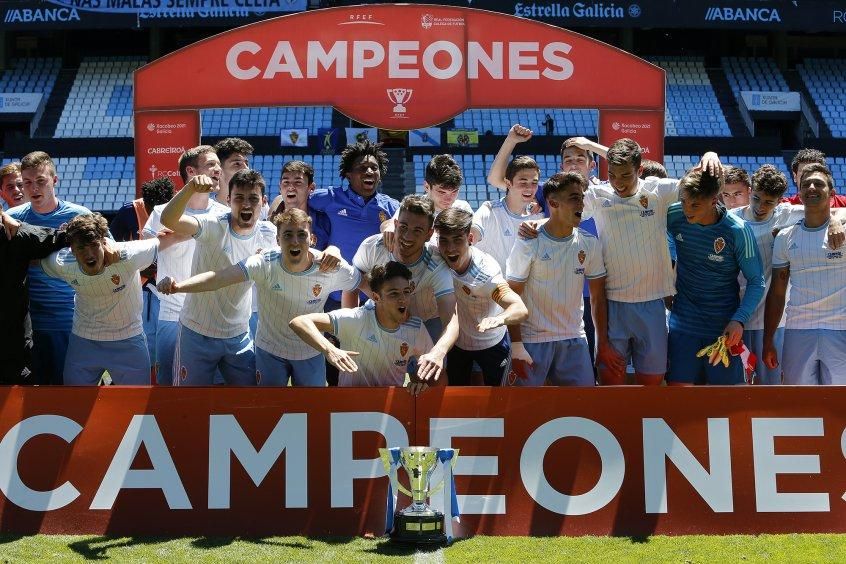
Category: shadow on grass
[387,547]
[639,539]
[97,548]
[210,543]
[11,537]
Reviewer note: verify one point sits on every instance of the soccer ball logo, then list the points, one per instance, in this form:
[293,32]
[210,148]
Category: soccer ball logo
[615,126]
[426,21]
[151,126]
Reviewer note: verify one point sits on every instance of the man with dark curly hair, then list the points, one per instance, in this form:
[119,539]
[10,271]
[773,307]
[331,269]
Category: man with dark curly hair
[234,154]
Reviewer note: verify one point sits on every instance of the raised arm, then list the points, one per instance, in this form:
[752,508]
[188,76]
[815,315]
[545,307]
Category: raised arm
[204,282]
[173,214]
[586,144]
[517,134]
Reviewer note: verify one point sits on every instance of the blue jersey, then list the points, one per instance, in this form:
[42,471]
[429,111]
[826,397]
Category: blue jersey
[50,299]
[320,228]
[709,259]
[352,219]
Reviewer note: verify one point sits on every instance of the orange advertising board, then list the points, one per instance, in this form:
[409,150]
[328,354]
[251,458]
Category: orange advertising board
[549,461]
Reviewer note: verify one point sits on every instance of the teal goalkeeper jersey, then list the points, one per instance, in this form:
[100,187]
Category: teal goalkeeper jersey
[709,259]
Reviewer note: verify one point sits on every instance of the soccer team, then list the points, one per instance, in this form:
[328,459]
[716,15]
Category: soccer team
[214,286]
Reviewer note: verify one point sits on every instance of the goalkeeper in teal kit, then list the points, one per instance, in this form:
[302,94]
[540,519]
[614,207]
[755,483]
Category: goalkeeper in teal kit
[713,247]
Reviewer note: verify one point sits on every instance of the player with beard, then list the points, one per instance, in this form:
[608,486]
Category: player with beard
[386,343]
[485,304]
[815,330]
[289,284]
[548,272]
[175,261]
[108,334]
[214,326]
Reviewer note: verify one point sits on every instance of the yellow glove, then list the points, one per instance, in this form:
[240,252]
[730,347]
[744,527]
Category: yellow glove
[709,350]
[717,352]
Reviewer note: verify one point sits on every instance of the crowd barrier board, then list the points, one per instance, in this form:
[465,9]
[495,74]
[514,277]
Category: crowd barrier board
[547,461]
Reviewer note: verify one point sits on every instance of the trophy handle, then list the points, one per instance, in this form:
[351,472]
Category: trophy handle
[440,485]
[385,455]
[410,92]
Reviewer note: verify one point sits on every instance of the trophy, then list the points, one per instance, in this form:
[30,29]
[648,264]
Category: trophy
[418,523]
[398,96]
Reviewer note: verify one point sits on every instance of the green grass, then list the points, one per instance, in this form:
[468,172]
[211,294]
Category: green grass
[686,549]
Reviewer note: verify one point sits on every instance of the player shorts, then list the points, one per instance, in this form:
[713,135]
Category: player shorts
[199,357]
[814,356]
[559,363]
[166,332]
[272,370]
[48,355]
[638,331]
[127,361]
[253,325]
[754,340]
[494,361]
[686,367]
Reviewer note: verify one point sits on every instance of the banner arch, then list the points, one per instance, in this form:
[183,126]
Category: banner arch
[396,67]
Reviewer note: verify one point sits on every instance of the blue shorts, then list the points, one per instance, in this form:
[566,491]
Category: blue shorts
[814,356]
[559,363]
[638,331]
[127,361]
[494,361]
[150,317]
[272,370]
[49,349]
[754,340]
[198,358]
[166,332]
[686,367]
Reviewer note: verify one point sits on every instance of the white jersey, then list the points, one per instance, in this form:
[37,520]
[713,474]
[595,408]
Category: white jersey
[430,275]
[283,295]
[784,215]
[107,306]
[475,293]
[384,355]
[224,313]
[554,271]
[633,232]
[817,294]
[498,227]
[175,261]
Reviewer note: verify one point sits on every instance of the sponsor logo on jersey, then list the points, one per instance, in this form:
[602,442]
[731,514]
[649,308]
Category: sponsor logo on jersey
[316,289]
[719,245]
[115,279]
[277,286]
[834,255]
[581,256]
[403,349]
[606,203]
[343,212]
[546,256]
[75,282]
[579,271]
[372,339]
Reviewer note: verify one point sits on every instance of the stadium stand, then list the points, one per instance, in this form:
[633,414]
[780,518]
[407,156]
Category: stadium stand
[264,121]
[499,121]
[692,106]
[31,75]
[825,79]
[100,101]
[753,74]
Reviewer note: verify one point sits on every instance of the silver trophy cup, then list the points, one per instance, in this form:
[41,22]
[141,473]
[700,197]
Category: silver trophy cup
[399,96]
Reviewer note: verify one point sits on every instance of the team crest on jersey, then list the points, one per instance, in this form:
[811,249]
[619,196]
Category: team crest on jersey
[644,201]
[719,245]
[383,216]
[316,289]
[466,290]
[403,349]
[183,373]
[115,279]
[581,256]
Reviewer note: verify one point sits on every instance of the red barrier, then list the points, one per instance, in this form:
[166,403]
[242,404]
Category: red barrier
[160,139]
[547,461]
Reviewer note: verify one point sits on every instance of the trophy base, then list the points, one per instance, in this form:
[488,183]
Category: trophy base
[419,529]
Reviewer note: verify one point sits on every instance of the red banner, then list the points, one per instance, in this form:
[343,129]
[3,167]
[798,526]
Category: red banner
[550,461]
[400,66]
[160,139]
[645,127]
